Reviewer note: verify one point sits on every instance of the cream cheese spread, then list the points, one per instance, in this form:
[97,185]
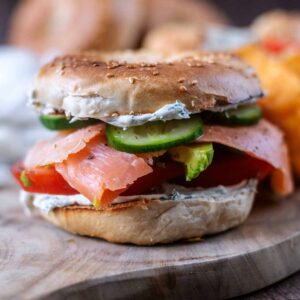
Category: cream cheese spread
[173,111]
[77,109]
[47,203]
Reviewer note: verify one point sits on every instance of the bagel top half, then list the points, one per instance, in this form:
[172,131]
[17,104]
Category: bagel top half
[95,85]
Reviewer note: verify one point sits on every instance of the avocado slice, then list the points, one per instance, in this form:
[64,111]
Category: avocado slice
[196,158]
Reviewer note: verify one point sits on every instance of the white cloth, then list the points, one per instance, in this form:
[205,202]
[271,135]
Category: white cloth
[227,38]
[18,68]
[19,126]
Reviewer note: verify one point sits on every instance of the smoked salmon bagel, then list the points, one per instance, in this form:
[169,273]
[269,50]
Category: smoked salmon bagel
[278,31]
[150,148]
[74,25]
[281,24]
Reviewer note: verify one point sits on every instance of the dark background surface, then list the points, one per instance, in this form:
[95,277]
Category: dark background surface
[240,12]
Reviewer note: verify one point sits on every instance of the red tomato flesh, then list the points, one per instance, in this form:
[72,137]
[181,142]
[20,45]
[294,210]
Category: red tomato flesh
[226,169]
[44,180]
[231,169]
[159,175]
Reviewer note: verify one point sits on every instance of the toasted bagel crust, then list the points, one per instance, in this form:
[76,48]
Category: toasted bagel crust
[148,222]
[93,85]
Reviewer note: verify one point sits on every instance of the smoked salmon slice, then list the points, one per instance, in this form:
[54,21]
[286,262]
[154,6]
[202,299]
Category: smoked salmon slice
[101,173]
[58,149]
[263,141]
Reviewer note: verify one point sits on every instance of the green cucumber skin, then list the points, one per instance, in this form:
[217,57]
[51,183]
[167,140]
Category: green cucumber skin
[59,122]
[137,149]
[131,148]
[236,117]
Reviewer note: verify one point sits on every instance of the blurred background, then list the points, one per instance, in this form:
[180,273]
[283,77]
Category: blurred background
[241,13]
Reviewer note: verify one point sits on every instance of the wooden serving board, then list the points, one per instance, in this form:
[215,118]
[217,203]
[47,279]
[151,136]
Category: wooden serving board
[38,260]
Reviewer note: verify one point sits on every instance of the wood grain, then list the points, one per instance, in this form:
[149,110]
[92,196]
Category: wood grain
[38,260]
[286,289]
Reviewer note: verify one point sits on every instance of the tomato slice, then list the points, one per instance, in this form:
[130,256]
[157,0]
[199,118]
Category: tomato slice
[44,180]
[164,173]
[227,169]
[231,169]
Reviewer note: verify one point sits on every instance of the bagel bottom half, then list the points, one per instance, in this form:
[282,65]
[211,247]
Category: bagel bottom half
[148,222]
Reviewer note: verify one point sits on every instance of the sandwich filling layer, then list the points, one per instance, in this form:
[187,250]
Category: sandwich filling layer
[103,163]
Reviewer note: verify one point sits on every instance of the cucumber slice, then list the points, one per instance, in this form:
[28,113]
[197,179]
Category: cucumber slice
[154,136]
[244,115]
[196,158]
[60,122]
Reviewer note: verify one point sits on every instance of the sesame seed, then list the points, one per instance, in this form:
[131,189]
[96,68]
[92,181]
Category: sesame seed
[115,114]
[60,69]
[194,82]
[91,156]
[181,80]
[112,65]
[74,87]
[155,73]
[182,88]
[110,75]
[132,80]
[132,112]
